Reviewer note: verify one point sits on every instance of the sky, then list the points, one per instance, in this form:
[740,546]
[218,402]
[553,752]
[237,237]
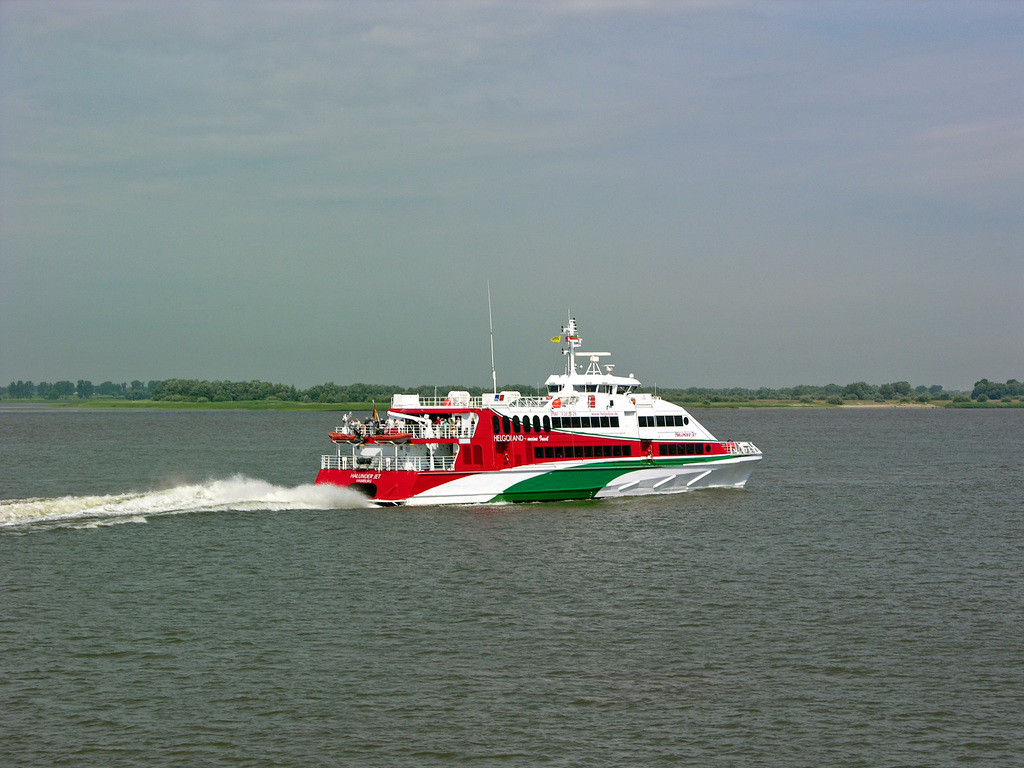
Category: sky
[721,193]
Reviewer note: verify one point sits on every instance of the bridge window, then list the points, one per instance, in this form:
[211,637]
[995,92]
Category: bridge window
[516,426]
[547,423]
[506,425]
[495,424]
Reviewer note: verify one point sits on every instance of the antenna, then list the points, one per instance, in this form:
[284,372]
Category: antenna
[490,322]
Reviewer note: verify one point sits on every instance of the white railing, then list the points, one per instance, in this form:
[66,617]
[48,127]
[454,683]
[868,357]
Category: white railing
[520,401]
[387,463]
[440,402]
[444,429]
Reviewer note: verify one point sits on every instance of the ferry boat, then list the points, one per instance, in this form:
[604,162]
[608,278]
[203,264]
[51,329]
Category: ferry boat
[593,435]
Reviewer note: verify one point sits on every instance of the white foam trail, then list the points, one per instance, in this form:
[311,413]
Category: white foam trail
[238,492]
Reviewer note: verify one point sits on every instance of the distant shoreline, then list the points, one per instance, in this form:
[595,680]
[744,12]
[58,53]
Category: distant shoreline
[282,405]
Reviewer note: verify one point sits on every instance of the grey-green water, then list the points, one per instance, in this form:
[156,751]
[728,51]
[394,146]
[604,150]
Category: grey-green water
[173,593]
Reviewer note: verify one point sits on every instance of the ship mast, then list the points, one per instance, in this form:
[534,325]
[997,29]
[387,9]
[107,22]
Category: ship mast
[490,322]
[574,341]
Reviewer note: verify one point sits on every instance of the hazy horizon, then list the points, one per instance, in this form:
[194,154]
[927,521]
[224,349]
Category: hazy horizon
[443,385]
[723,194]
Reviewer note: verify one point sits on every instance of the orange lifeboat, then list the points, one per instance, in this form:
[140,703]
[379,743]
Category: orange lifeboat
[393,437]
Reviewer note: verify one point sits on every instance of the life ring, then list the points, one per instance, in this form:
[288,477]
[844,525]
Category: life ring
[556,403]
[447,401]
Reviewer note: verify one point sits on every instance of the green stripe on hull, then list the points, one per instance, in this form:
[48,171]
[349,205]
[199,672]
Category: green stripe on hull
[585,481]
[565,484]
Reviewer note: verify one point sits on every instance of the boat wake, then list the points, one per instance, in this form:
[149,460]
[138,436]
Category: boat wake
[235,493]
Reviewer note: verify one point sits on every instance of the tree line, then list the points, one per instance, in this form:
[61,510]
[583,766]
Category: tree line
[196,390]
[82,389]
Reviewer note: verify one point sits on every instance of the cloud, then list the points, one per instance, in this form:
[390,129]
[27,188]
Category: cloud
[828,166]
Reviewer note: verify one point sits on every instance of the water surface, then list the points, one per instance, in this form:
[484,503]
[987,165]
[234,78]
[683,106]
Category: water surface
[174,592]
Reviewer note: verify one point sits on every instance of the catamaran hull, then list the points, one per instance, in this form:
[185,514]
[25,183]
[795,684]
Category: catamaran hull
[562,481]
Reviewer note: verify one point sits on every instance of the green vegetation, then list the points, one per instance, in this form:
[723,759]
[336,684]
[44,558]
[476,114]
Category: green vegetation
[191,393]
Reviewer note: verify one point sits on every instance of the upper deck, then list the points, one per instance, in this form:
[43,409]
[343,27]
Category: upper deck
[455,401]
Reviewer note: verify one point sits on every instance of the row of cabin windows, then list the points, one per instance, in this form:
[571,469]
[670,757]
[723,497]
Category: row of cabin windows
[605,389]
[581,451]
[683,449]
[584,422]
[671,420]
[503,425]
